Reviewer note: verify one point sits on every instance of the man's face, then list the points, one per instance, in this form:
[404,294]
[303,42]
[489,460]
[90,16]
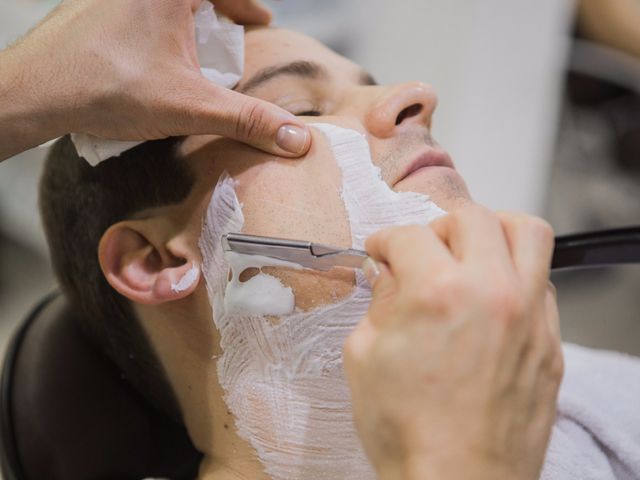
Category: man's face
[300,198]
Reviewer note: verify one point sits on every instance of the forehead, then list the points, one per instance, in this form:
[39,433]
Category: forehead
[266,47]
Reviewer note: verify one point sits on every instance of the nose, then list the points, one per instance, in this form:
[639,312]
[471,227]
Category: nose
[400,106]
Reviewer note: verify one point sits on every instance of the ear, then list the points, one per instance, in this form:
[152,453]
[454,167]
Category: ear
[148,263]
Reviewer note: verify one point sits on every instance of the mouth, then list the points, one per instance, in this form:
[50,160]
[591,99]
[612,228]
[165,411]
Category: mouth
[430,157]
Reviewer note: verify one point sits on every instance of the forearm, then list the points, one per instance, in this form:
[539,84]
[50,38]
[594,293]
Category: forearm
[612,22]
[27,115]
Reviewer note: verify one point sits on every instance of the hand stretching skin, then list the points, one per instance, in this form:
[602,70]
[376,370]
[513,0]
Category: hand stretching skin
[128,70]
[456,368]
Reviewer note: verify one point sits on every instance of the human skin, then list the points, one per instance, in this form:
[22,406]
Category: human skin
[281,197]
[613,23]
[471,289]
[128,70]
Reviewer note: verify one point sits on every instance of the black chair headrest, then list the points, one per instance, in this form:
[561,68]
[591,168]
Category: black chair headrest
[66,413]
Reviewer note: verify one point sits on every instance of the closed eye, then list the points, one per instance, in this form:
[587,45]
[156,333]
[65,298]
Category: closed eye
[309,113]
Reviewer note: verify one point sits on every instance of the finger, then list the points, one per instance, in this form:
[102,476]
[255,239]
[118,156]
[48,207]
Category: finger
[244,12]
[195,4]
[411,253]
[553,315]
[544,340]
[549,333]
[474,233]
[531,244]
[211,109]
[557,364]
[383,291]
[359,343]
[541,361]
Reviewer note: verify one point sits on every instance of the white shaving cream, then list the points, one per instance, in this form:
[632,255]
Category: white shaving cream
[262,294]
[187,279]
[284,381]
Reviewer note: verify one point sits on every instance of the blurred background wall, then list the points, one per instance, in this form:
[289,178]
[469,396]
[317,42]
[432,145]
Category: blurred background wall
[508,113]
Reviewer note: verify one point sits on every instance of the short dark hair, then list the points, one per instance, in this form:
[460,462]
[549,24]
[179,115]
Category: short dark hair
[78,203]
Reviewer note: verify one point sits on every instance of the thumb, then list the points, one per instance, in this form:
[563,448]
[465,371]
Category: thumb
[244,12]
[212,109]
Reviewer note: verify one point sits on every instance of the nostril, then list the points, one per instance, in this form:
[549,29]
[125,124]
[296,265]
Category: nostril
[408,112]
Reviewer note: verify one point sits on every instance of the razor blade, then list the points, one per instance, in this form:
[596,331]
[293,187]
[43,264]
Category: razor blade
[582,250]
[308,254]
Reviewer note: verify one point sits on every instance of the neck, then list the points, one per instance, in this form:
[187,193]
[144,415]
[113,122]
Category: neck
[189,355]
[212,469]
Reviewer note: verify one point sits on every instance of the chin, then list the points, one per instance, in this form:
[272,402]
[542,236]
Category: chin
[444,185]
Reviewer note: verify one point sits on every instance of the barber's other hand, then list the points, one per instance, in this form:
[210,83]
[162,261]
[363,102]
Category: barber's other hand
[456,368]
[128,70]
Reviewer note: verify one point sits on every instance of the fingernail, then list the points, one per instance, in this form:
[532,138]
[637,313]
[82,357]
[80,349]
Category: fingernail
[292,139]
[371,271]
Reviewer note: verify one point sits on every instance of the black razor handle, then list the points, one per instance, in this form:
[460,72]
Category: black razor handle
[597,249]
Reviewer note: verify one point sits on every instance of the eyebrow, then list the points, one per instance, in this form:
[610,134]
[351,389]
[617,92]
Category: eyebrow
[301,69]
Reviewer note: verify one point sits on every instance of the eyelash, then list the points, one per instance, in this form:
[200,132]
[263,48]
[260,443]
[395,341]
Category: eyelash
[309,113]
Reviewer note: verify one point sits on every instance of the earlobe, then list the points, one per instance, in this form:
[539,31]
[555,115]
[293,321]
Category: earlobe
[140,265]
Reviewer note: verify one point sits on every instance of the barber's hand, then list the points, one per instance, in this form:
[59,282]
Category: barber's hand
[128,70]
[456,368]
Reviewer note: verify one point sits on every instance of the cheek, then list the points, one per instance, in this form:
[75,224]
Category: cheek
[314,289]
[300,199]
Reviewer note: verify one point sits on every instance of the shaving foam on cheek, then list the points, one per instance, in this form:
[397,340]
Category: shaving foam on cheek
[260,295]
[284,381]
[369,201]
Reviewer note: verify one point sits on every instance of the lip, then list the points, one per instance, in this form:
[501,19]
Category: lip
[431,157]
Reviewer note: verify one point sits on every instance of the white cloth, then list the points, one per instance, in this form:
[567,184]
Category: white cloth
[597,432]
[220,48]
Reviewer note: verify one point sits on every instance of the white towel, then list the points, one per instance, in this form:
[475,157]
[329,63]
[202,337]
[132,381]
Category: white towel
[597,432]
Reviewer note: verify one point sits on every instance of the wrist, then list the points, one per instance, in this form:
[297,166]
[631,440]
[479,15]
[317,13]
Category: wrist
[455,467]
[28,113]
